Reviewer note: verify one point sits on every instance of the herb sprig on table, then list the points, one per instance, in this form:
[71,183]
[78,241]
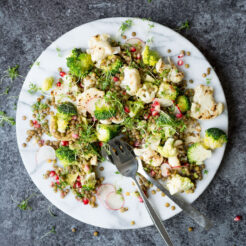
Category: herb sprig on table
[125,25]
[53,230]
[24,205]
[5,118]
[184,25]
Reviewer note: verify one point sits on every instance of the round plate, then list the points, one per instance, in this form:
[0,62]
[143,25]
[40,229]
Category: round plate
[160,38]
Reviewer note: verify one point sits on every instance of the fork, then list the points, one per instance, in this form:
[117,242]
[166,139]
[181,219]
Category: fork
[127,164]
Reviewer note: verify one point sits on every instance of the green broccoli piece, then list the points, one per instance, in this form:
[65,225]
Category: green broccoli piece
[197,153]
[214,138]
[135,107]
[183,103]
[66,155]
[168,150]
[104,110]
[150,57]
[168,91]
[112,64]
[67,109]
[89,181]
[79,63]
[106,132]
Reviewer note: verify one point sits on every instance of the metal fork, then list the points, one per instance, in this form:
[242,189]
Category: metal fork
[127,164]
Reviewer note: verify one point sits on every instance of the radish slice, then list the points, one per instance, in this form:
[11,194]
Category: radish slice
[45,153]
[103,191]
[135,41]
[165,170]
[114,201]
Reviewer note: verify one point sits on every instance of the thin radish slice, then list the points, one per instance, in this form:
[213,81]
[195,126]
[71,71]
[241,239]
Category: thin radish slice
[103,191]
[115,201]
[135,41]
[165,170]
[45,153]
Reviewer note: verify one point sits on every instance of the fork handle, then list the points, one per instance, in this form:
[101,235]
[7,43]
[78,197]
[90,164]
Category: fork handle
[153,215]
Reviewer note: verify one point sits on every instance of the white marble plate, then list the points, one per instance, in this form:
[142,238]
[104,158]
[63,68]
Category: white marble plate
[163,39]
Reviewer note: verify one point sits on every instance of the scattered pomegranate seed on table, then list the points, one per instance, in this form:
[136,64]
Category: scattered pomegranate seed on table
[180,62]
[238,218]
[62,73]
[85,201]
[52,173]
[58,84]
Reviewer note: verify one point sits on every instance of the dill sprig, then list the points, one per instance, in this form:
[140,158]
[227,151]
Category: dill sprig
[184,25]
[5,118]
[53,230]
[125,25]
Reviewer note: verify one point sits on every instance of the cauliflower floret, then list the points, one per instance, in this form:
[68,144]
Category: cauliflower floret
[164,102]
[66,91]
[132,81]
[149,156]
[192,132]
[173,161]
[175,75]
[100,48]
[204,106]
[168,150]
[89,81]
[161,67]
[147,92]
[87,100]
[177,183]
[152,141]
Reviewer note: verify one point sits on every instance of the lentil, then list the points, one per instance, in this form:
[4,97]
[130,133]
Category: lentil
[204,75]
[95,233]
[169,51]
[163,194]
[133,34]
[188,53]
[132,222]
[190,229]
[24,145]
[74,229]
[101,168]
[173,207]
[124,36]
[153,192]
[23,117]
[167,204]
[187,65]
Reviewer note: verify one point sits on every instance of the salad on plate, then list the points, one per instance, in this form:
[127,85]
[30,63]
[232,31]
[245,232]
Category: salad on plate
[113,88]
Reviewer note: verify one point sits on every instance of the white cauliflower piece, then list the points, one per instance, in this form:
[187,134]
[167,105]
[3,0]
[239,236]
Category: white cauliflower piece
[173,161]
[175,75]
[164,102]
[204,106]
[100,48]
[89,82]
[147,93]
[87,100]
[152,141]
[149,156]
[177,183]
[132,81]
[168,150]
[66,91]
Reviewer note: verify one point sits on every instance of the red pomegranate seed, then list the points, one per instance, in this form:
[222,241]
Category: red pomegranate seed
[34,122]
[179,115]
[156,103]
[152,109]
[180,62]
[52,184]
[138,56]
[78,184]
[100,144]
[155,113]
[62,74]
[37,125]
[124,93]
[115,79]
[126,109]
[238,218]
[56,177]
[64,143]
[75,135]
[152,173]
[181,55]
[58,84]
[74,117]
[52,173]
[133,49]
[85,201]
[140,199]
[58,182]
[137,143]
[146,116]
[78,178]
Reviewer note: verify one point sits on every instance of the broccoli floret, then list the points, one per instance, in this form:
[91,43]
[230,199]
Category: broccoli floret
[66,155]
[168,91]
[79,63]
[47,83]
[168,150]
[135,107]
[112,64]
[150,57]
[214,138]
[66,109]
[104,110]
[183,103]
[197,153]
[89,181]
[106,132]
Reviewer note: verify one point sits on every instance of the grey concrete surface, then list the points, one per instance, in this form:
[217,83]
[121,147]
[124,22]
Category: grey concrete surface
[218,28]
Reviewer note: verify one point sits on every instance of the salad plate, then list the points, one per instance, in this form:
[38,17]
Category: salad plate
[168,43]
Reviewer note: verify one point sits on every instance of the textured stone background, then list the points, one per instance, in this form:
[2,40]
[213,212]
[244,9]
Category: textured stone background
[217,28]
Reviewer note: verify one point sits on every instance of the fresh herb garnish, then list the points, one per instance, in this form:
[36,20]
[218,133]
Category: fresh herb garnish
[23,205]
[208,81]
[184,25]
[149,1]
[53,230]
[58,52]
[6,91]
[125,25]
[117,172]
[150,40]
[6,118]
[33,88]
[205,171]
[119,191]
[151,26]
[13,72]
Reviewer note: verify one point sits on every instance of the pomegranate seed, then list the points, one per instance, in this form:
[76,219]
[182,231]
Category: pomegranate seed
[133,49]
[52,184]
[155,113]
[64,143]
[179,115]
[58,182]
[238,218]
[181,55]
[138,56]
[136,143]
[87,168]
[146,116]
[58,84]
[56,177]
[74,135]
[78,178]
[34,122]
[152,173]
[100,144]
[78,184]
[62,74]
[85,201]
[126,109]
[37,125]
[124,93]
[180,62]
[140,199]
[115,79]
[152,109]
[52,173]
[156,103]
[74,117]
